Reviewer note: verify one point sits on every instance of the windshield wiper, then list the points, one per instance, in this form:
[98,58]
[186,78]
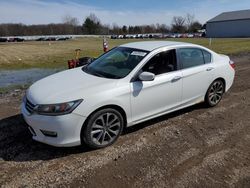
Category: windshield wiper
[103,75]
[97,74]
[87,70]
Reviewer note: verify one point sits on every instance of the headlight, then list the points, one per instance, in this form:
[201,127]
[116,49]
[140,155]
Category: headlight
[57,109]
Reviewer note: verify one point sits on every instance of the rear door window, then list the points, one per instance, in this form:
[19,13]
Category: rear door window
[191,57]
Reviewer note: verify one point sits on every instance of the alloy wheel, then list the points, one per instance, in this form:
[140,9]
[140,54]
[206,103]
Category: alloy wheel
[105,129]
[215,93]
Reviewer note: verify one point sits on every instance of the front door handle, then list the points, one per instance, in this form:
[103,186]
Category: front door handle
[175,79]
[210,68]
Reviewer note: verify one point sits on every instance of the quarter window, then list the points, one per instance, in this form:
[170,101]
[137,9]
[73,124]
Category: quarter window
[207,56]
[161,63]
[191,57]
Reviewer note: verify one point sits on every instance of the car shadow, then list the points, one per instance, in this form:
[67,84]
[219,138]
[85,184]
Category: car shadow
[16,142]
[163,118]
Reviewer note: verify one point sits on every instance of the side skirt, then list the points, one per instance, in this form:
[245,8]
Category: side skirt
[179,107]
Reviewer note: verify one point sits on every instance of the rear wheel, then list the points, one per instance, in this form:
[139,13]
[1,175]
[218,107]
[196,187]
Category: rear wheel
[103,128]
[215,93]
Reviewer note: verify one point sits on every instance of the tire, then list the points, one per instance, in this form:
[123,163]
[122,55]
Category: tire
[102,128]
[214,93]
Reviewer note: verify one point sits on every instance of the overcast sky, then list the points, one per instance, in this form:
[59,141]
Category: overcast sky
[122,12]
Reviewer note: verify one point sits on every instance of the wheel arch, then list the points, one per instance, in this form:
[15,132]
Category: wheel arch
[113,106]
[223,80]
[206,95]
[219,78]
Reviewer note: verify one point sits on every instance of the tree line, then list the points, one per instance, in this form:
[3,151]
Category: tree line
[93,26]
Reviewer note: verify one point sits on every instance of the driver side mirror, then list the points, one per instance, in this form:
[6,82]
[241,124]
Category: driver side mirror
[147,76]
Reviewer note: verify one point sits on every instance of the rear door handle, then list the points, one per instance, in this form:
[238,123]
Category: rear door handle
[175,79]
[210,68]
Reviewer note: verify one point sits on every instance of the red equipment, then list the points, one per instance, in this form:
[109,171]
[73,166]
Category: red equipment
[74,62]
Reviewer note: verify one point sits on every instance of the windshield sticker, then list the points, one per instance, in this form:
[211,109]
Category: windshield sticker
[138,53]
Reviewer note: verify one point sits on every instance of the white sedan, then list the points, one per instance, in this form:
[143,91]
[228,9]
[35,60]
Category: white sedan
[128,85]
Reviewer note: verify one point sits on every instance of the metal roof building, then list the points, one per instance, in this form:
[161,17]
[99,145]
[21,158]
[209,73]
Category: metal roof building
[229,24]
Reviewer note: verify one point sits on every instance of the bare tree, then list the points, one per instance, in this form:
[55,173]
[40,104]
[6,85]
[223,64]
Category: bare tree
[105,29]
[115,28]
[94,18]
[149,29]
[67,19]
[190,19]
[124,29]
[178,24]
[92,25]
[195,26]
[162,28]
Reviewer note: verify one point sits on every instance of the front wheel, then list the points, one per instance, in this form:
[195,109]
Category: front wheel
[214,93]
[103,128]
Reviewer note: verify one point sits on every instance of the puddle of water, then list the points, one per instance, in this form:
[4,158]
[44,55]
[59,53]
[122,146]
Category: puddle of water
[22,77]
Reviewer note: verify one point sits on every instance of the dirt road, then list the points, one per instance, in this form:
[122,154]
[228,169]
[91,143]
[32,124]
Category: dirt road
[195,147]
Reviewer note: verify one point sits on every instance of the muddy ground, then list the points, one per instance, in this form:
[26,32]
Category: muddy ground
[195,147]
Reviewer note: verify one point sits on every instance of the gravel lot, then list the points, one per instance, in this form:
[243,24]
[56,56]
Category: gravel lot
[195,147]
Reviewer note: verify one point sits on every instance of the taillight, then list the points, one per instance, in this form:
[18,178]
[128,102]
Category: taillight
[232,64]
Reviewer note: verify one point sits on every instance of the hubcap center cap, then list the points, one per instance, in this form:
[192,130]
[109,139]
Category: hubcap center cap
[105,127]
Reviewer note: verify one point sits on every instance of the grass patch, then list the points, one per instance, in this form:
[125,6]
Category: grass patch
[4,90]
[56,54]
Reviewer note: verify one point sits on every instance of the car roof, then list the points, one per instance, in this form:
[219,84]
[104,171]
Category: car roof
[152,45]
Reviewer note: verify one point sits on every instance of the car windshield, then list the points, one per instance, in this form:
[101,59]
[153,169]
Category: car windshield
[116,64]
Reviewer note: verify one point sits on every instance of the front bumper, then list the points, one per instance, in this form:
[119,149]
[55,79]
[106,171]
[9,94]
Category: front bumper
[67,128]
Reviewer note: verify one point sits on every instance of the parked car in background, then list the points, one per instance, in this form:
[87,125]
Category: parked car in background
[41,39]
[15,39]
[50,39]
[128,85]
[113,36]
[139,36]
[3,39]
[62,38]
[172,36]
[120,36]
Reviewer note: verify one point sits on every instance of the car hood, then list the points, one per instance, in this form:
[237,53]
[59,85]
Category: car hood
[67,86]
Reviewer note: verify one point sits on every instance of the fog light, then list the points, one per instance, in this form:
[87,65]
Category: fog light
[49,133]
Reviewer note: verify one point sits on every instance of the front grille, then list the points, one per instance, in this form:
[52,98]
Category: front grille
[29,106]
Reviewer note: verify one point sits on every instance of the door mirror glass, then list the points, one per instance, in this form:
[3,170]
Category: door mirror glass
[147,76]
